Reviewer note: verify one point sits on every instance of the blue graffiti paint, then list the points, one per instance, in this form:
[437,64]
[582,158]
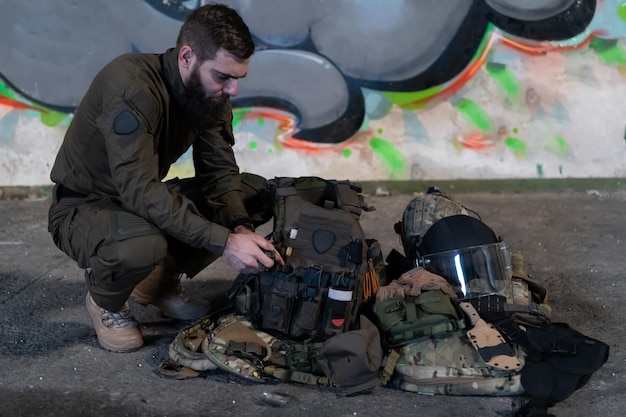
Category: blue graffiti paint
[414,129]
[377,105]
[8,125]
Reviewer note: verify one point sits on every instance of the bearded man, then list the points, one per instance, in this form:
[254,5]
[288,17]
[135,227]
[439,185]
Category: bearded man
[133,233]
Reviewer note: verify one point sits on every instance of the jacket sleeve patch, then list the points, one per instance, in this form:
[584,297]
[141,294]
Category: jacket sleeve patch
[125,123]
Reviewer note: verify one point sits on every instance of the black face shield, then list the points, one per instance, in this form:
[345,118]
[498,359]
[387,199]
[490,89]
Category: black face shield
[468,254]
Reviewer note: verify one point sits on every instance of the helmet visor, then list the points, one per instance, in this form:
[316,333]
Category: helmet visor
[474,271]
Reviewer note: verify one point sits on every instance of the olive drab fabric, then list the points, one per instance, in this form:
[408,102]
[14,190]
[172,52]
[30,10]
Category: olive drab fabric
[404,319]
[125,136]
[352,360]
[330,269]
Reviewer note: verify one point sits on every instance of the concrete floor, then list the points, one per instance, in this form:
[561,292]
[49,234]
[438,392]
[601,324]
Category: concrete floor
[52,365]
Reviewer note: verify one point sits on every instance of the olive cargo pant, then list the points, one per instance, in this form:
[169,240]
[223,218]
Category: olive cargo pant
[118,248]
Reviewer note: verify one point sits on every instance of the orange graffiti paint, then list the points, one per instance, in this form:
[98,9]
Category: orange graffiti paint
[287,128]
[476,141]
[544,47]
[19,105]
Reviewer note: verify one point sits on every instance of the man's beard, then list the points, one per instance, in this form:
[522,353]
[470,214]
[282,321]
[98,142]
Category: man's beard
[197,105]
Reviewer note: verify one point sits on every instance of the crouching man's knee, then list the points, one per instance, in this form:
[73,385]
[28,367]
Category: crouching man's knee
[118,266]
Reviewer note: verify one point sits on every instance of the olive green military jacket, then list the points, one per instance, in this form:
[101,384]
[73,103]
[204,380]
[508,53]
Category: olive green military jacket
[127,132]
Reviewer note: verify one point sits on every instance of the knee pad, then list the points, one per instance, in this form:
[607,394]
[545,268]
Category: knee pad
[133,248]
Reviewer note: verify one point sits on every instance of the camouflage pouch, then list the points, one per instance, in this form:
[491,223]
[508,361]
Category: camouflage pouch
[234,345]
[185,348]
[451,366]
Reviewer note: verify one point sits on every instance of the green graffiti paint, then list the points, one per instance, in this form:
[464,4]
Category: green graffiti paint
[474,114]
[540,170]
[253,145]
[505,79]
[609,51]
[391,157]
[380,131]
[518,146]
[52,118]
[5,91]
[238,116]
[515,130]
[260,121]
[560,145]
[405,99]
[346,153]
[621,11]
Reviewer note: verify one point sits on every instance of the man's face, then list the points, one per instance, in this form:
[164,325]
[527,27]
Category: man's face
[214,81]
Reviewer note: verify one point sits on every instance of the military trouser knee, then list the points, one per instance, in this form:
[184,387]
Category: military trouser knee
[117,248]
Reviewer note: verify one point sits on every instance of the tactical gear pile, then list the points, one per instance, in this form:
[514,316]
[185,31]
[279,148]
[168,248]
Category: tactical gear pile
[335,315]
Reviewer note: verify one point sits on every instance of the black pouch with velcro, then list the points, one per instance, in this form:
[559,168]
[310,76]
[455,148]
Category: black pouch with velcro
[306,311]
[560,361]
[278,304]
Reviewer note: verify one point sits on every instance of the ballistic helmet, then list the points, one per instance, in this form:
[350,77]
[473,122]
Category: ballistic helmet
[420,214]
[468,254]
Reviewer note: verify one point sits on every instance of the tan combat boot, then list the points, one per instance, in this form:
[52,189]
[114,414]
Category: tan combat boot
[162,289]
[116,331]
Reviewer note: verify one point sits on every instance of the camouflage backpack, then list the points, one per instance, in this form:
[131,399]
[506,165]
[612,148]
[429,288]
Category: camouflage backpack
[439,354]
[229,342]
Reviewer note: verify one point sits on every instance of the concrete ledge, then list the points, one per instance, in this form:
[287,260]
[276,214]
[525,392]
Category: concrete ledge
[497,186]
[410,187]
[25,192]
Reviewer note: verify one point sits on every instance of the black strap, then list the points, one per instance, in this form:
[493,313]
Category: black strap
[534,408]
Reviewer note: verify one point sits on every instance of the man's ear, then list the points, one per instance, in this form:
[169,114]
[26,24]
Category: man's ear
[186,57]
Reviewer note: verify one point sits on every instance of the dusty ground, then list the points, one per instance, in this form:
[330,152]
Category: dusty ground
[52,365]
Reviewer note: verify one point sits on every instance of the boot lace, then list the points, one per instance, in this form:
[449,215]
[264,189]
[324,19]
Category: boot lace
[119,319]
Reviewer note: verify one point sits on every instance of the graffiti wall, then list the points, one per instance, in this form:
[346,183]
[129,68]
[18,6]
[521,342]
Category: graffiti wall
[358,89]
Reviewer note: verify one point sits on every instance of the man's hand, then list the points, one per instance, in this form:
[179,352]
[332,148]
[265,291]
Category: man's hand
[244,252]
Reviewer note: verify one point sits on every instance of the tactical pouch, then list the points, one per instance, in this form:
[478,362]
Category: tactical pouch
[307,311]
[560,361]
[278,304]
[336,313]
[352,359]
[450,365]
[402,320]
